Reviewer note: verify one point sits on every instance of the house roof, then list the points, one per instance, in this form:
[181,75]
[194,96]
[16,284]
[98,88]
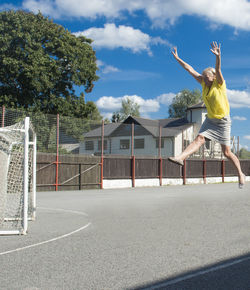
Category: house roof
[200,105]
[170,127]
[108,129]
[142,121]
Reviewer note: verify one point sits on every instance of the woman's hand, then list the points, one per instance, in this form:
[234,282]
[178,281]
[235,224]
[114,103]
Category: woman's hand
[174,52]
[215,48]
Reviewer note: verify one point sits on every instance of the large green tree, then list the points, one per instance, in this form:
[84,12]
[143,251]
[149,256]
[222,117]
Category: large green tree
[41,63]
[182,101]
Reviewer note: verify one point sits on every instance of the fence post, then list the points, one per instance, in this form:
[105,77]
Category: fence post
[3,115]
[223,170]
[238,146]
[80,176]
[132,154]
[102,149]
[57,149]
[184,172]
[132,138]
[182,140]
[160,159]
[204,171]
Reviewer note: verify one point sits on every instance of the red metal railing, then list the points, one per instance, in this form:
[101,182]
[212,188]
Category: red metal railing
[57,151]
[102,150]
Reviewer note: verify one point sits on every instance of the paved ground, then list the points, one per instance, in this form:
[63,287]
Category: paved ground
[175,237]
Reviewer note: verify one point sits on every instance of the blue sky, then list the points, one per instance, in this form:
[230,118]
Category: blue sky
[133,41]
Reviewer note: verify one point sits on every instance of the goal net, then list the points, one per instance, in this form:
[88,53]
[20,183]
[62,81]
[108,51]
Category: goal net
[17,177]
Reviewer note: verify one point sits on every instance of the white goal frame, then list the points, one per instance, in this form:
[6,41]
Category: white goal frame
[29,198]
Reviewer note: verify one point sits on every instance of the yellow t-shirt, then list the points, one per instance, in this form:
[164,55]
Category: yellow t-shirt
[215,100]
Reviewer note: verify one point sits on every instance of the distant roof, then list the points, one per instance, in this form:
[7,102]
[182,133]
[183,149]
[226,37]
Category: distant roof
[200,105]
[142,121]
[108,129]
[170,127]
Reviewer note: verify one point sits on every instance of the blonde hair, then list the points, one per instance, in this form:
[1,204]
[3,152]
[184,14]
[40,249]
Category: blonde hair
[209,69]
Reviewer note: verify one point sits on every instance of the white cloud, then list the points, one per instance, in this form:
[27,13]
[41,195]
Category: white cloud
[235,13]
[239,99]
[106,103]
[247,137]
[107,115]
[146,105]
[91,9]
[239,118]
[166,99]
[47,7]
[84,8]
[111,37]
[100,63]
[109,104]
[106,69]
[109,69]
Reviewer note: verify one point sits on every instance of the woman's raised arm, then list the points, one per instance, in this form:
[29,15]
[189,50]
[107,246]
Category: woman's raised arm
[186,66]
[216,51]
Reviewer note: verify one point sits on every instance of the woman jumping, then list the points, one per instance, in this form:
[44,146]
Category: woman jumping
[217,125]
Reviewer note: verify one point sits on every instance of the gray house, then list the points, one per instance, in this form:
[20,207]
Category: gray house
[142,138]
[119,138]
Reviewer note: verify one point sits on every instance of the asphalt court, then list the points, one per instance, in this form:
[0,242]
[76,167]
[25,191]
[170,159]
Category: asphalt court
[173,237]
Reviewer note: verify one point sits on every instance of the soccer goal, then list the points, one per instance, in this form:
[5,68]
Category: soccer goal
[17,177]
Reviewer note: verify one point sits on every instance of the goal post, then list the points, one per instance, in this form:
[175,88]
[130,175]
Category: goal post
[18,177]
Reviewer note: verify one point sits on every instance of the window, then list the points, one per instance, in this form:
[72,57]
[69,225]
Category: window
[124,144]
[89,145]
[139,143]
[186,143]
[105,145]
[208,144]
[157,143]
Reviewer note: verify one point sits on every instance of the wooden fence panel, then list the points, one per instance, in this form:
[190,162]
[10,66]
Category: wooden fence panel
[230,170]
[117,168]
[69,169]
[245,166]
[46,172]
[171,170]
[146,168]
[213,168]
[194,168]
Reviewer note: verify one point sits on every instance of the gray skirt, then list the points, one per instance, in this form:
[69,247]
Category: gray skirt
[218,130]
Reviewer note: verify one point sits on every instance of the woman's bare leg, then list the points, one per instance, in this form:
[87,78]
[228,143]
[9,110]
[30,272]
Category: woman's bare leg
[229,154]
[193,147]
